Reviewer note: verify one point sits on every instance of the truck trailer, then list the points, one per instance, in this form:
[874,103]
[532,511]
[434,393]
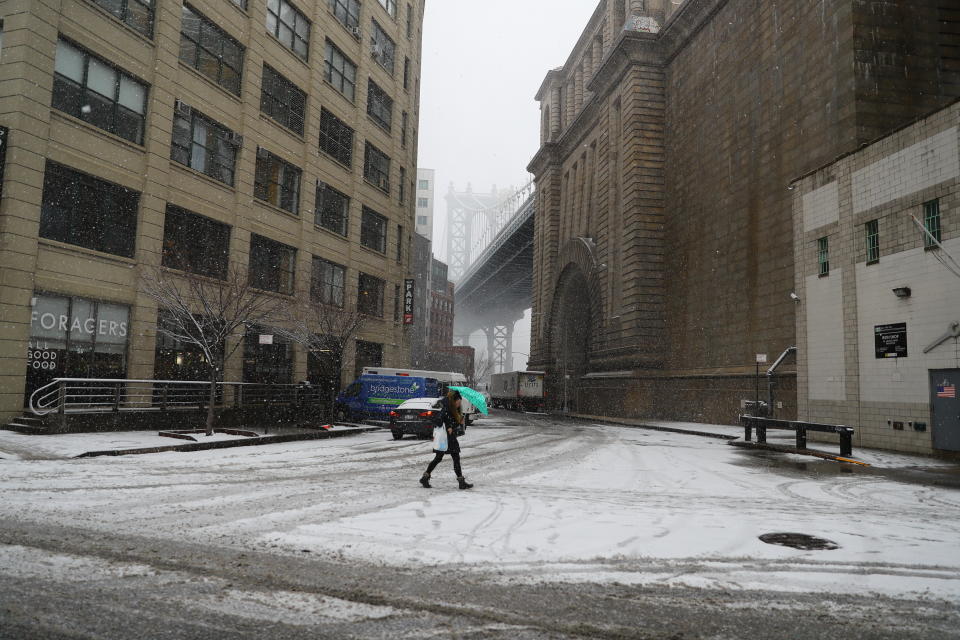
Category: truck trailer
[517,390]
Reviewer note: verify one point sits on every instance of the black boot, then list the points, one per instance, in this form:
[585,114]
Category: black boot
[425,481]
[463,483]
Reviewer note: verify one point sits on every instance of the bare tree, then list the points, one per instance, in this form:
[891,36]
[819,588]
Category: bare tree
[322,329]
[206,312]
[483,366]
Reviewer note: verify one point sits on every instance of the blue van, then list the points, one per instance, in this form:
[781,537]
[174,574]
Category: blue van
[374,396]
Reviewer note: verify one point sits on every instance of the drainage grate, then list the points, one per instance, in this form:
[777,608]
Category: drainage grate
[799,541]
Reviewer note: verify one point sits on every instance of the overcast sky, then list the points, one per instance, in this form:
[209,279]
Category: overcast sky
[482,64]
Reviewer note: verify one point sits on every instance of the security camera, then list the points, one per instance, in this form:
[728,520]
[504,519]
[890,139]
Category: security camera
[794,297]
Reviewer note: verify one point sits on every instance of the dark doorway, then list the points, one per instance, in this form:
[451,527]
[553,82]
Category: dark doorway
[324,371]
[945,409]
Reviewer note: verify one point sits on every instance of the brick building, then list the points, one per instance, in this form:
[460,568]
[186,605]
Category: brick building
[279,134]
[663,245]
[877,246]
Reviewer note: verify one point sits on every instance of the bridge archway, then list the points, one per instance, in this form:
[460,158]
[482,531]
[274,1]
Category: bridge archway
[575,320]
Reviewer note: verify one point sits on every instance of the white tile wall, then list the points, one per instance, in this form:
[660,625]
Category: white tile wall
[821,207]
[919,166]
[825,355]
[934,304]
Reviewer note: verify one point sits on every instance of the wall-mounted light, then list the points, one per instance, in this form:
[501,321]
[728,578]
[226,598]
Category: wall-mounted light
[179,360]
[902,292]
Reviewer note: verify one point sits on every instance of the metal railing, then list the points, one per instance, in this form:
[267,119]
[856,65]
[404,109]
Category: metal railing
[107,395]
[800,428]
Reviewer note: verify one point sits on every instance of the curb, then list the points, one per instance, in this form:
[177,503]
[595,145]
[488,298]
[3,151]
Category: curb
[230,444]
[800,452]
[692,432]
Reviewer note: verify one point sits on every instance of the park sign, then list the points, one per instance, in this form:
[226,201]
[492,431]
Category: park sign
[890,340]
[408,290]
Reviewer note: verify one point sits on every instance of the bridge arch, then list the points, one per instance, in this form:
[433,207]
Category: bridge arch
[576,315]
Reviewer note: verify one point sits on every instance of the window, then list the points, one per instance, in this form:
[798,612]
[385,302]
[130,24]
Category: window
[289,26]
[403,185]
[194,243]
[370,296]
[204,145]
[267,363]
[823,256]
[347,12]
[931,223]
[422,220]
[88,88]
[209,50]
[382,48]
[340,72]
[332,210]
[137,14]
[271,265]
[406,73]
[390,6]
[404,121]
[423,203]
[336,138]
[240,3]
[409,21]
[423,185]
[872,230]
[282,100]
[373,230]
[88,212]
[399,243]
[376,167]
[327,282]
[276,181]
[379,105]
[369,354]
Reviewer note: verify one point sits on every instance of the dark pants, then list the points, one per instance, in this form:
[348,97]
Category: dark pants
[439,456]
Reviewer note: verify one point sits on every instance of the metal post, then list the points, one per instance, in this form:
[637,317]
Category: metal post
[846,442]
[801,437]
[747,431]
[164,396]
[62,405]
[116,397]
[761,434]
[756,406]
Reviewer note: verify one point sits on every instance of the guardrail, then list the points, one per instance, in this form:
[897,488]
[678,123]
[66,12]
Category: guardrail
[106,395]
[801,428]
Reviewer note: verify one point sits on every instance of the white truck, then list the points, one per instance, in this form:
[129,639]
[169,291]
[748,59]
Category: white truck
[517,390]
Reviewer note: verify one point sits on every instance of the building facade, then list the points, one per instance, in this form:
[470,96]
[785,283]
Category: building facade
[877,246]
[278,136]
[421,267]
[663,246]
[425,202]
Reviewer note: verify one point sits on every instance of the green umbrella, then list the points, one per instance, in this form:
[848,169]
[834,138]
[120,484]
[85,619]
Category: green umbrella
[474,397]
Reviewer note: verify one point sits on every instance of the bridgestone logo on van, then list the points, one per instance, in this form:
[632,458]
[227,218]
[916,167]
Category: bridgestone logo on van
[382,389]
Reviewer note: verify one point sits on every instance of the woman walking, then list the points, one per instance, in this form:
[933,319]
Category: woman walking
[451,419]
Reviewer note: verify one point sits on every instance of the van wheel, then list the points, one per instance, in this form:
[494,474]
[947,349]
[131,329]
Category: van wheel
[342,414]
[397,434]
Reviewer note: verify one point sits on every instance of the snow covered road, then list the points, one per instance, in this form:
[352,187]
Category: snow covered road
[555,503]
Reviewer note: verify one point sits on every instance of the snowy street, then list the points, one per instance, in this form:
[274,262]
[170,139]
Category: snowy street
[572,529]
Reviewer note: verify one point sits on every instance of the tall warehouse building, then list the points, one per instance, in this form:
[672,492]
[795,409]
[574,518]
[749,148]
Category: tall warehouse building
[276,135]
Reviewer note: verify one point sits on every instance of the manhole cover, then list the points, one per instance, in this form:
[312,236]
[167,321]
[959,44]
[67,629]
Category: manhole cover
[799,541]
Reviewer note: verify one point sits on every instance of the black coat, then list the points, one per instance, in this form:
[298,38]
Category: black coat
[447,420]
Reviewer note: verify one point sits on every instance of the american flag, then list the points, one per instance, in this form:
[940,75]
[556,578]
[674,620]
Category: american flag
[946,391]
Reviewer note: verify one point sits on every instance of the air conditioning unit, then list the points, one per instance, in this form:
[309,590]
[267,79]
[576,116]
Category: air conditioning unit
[182,108]
[321,185]
[262,153]
[356,32]
[235,139]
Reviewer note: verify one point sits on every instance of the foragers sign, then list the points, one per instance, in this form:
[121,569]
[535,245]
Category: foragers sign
[891,340]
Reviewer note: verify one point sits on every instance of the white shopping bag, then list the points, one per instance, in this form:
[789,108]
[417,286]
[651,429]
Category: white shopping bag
[440,438]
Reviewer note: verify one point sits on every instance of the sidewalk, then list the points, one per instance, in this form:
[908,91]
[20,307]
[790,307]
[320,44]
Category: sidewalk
[18,446]
[784,441]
